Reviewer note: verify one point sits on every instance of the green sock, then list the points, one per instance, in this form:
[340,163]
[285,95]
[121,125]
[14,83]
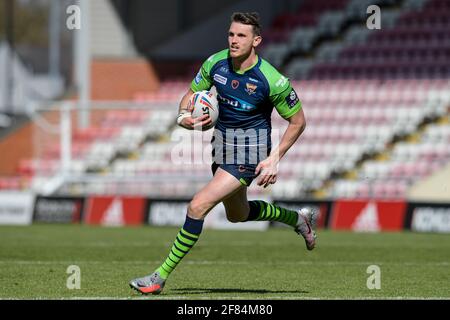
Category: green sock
[184,241]
[263,211]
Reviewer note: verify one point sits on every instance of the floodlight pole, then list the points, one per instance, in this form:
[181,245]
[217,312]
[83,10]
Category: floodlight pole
[54,37]
[83,65]
[9,56]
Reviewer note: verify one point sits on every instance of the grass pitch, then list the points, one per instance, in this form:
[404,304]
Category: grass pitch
[223,265]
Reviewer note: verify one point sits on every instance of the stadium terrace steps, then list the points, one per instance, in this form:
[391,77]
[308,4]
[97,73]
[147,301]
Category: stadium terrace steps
[301,46]
[407,164]
[416,46]
[334,43]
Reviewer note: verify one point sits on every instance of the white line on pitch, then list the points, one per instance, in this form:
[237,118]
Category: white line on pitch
[228,262]
[239,298]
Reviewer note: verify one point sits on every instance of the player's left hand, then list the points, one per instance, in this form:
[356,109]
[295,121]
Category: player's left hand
[267,169]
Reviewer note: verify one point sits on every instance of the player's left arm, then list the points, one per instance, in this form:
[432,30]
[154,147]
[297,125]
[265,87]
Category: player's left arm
[297,124]
[268,167]
[289,107]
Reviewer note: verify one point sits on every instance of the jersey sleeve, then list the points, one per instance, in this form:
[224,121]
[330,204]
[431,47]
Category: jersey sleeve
[281,94]
[202,80]
[285,99]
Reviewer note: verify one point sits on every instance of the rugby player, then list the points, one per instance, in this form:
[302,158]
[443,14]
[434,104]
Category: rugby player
[248,88]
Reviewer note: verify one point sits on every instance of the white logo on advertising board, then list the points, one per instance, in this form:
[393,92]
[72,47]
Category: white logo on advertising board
[367,220]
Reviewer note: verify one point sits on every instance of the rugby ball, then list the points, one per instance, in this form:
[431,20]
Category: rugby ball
[204,102]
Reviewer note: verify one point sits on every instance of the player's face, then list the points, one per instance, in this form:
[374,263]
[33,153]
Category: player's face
[241,39]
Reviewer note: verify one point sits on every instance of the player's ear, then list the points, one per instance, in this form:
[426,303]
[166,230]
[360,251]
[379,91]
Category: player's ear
[257,40]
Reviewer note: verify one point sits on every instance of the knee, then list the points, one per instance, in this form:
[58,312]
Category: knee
[233,218]
[197,208]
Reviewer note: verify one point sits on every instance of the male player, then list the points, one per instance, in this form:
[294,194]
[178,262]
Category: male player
[248,88]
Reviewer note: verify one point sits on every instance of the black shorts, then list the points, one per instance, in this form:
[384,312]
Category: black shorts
[245,173]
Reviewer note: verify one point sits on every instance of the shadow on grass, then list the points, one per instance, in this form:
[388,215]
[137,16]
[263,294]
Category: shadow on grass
[232,290]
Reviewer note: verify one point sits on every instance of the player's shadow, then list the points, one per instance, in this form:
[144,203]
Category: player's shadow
[233,290]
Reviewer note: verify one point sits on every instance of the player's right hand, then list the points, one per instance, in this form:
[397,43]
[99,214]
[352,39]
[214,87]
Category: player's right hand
[195,123]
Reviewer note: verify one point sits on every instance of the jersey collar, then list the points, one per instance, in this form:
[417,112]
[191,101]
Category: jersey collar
[241,72]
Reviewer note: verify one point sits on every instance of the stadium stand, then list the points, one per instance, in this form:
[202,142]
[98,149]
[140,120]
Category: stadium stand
[376,102]
[416,46]
[413,42]
[363,129]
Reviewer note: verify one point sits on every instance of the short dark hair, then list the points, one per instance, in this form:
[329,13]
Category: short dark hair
[250,18]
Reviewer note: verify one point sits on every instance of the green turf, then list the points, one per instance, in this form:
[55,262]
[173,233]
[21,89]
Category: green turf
[224,264]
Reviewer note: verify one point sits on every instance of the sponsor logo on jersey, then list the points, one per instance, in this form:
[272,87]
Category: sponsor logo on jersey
[254,80]
[281,82]
[231,102]
[224,69]
[198,77]
[236,103]
[251,88]
[234,84]
[220,79]
[292,99]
